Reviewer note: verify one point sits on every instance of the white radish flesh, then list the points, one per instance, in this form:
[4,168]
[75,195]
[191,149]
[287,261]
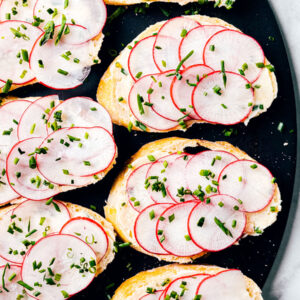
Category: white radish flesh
[248,181]
[15,10]
[145,228]
[154,296]
[216,225]
[172,230]
[229,104]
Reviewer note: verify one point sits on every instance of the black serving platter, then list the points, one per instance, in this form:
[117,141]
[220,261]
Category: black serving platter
[260,139]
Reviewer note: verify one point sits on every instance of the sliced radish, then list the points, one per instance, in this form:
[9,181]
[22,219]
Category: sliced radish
[155,296]
[227,105]
[15,45]
[23,175]
[15,10]
[165,50]
[238,50]
[61,253]
[62,72]
[139,60]
[182,90]
[160,97]
[176,183]
[145,228]
[90,232]
[248,181]
[172,230]
[185,287]
[92,15]
[226,285]
[203,170]
[10,289]
[195,40]
[156,179]
[138,196]
[10,115]
[78,151]
[30,221]
[216,225]
[80,112]
[145,113]
[34,119]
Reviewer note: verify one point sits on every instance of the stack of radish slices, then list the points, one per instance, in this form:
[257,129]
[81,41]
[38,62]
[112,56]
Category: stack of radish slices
[188,204]
[228,284]
[53,42]
[49,146]
[197,72]
[46,253]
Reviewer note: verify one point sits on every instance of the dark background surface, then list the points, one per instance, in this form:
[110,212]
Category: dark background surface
[260,139]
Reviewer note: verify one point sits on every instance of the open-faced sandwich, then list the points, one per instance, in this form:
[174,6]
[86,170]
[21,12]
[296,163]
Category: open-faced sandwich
[48,146]
[192,282]
[51,250]
[188,70]
[178,206]
[51,42]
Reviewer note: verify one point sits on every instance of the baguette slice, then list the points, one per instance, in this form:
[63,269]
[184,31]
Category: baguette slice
[135,287]
[115,85]
[122,216]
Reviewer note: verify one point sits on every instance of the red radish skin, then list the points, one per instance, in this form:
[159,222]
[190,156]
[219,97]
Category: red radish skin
[177,243]
[145,228]
[135,188]
[210,237]
[138,60]
[236,49]
[232,106]
[155,296]
[242,183]
[80,224]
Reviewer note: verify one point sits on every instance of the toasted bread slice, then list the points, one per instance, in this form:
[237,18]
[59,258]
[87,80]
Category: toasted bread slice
[115,85]
[135,287]
[122,215]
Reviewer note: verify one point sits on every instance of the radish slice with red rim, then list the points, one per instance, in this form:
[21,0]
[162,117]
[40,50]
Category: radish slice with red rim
[80,112]
[77,151]
[217,223]
[34,119]
[61,253]
[165,50]
[23,175]
[10,289]
[160,97]
[92,15]
[250,182]
[142,110]
[239,52]
[185,287]
[138,196]
[203,170]
[16,10]
[55,67]
[90,232]
[139,63]
[226,285]
[215,103]
[156,179]
[17,40]
[195,40]
[155,296]
[182,90]
[172,230]
[176,183]
[145,228]
[27,223]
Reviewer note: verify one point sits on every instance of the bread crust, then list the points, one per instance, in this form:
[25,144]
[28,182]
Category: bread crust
[115,84]
[122,216]
[135,287]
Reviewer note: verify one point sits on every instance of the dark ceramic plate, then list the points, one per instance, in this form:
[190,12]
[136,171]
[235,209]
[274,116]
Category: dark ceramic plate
[260,139]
